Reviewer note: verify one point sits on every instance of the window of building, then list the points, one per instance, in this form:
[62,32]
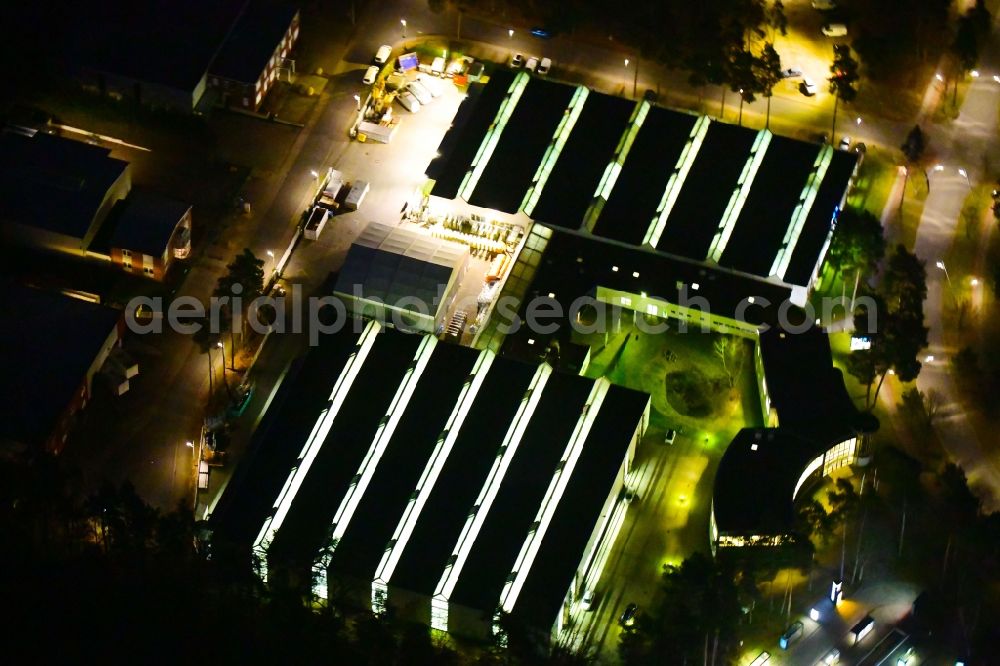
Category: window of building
[246,101]
[148,270]
[126,254]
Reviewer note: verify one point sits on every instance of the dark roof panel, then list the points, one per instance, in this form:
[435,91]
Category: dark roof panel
[459,146]
[591,145]
[819,222]
[403,461]
[760,228]
[350,435]
[528,132]
[521,492]
[254,38]
[144,222]
[46,350]
[580,507]
[699,208]
[440,522]
[53,183]
[630,209]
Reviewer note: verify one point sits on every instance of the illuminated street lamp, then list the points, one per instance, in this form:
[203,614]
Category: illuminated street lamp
[939,77]
[974,73]
[270,254]
[510,33]
[858,120]
[402,22]
[974,282]
[189,444]
[357,100]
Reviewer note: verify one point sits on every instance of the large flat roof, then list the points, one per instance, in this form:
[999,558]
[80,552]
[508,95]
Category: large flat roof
[528,132]
[254,38]
[767,211]
[697,213]
[46,348]
[478,444]
[756,480]
[575,265]
[496,546]
[347,441]
[53,183]
[401,464]
[591,145]
[819,222]
[169,42]
[631,207]
[805,389]
[302,394]
[579,508]
[459,146]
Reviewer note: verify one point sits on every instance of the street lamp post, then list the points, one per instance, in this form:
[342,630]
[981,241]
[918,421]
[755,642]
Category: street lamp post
[940,264]
[402,22]
[357,100]
[222,350]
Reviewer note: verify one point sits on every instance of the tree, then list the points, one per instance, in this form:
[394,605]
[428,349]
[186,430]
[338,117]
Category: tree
[697,614]
[914,145]
[894,39]
[776,18]
[843,80]
[244,279]
[858,244]
[729,349]
[899,333]
[769,74]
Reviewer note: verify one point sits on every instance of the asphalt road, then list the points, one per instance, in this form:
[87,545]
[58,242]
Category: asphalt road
[969,143]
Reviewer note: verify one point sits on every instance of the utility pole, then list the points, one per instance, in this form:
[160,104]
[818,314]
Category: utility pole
[458,29]
[635,80]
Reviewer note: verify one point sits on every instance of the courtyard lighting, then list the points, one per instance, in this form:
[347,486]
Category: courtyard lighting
[510,33]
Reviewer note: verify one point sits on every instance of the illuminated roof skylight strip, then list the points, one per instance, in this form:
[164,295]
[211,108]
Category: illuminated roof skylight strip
[383,435]
[677,178]
[554,149]
[801,213]
[557,486]
[408,521]
[481,508]
[614,168]
[492,137]
[312,447]
[740,193]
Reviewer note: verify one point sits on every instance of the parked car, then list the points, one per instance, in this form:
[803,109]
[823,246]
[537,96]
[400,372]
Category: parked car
[422,94]
[824,5]
[541,33]
[793,633]
[832,657]
[670,436]
[516,60]
[544,66]
[807,87]
[382,55]
[845,143]
[587,602]
[835,30]
[370,75]
[408,101]
[627,618]
[532,64]
[791,73]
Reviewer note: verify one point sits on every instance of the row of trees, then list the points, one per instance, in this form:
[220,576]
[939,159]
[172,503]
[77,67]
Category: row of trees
[88,576]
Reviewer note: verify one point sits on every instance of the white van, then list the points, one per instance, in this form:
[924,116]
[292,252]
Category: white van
[370,75]
[382,55]
[408,101]
[432,85]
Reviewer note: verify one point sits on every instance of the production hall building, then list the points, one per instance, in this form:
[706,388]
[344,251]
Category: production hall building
[449,484]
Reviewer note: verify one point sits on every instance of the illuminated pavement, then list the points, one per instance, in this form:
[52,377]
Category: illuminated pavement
[667,521]
[967,144]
